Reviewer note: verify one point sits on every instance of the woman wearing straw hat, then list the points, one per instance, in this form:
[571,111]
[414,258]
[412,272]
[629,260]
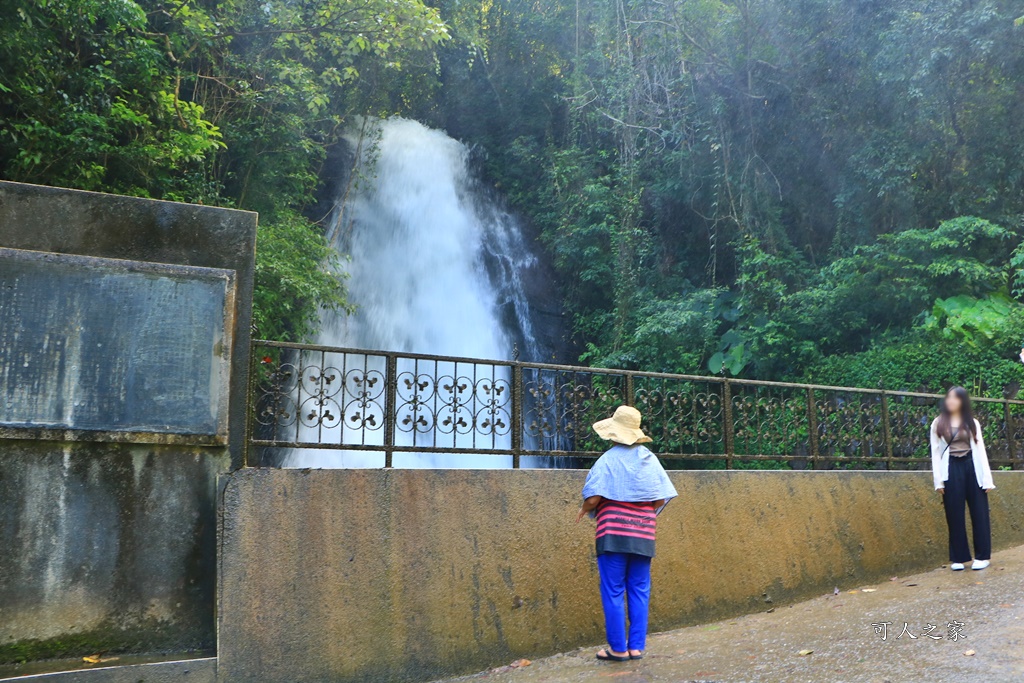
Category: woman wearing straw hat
[625,491]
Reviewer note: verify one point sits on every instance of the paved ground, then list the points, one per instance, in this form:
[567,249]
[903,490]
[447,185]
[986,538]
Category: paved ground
[837,629]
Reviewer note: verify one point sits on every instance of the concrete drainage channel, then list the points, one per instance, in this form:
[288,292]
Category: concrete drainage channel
[199,670]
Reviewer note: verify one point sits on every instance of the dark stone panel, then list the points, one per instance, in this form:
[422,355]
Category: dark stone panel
[111,226]
[105,344]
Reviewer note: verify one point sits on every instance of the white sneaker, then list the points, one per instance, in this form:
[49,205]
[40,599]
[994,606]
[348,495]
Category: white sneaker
[957,567]
[980,564]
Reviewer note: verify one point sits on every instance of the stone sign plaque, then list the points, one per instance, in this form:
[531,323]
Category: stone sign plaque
[104,345]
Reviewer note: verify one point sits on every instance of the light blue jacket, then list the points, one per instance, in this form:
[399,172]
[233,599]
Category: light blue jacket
[629,474]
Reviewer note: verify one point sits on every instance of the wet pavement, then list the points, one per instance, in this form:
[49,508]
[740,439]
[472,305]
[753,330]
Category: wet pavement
[832,639]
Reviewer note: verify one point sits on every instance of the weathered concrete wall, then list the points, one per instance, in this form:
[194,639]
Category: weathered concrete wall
[107,547]
[108,537]
[409,575]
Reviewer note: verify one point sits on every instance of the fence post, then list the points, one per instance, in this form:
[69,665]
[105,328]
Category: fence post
[812,426]
[250,404]
[629,398]
[517,413]
[886,430]
[1011,445]
[727,428]
[391,408]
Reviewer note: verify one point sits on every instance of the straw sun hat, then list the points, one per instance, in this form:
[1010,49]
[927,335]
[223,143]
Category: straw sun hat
[622,427]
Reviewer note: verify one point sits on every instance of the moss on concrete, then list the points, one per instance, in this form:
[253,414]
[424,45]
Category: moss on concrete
[145,635]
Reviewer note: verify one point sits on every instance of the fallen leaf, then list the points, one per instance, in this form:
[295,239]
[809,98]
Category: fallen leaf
[804,653]
[969,653]
[910,584]
[868,590]
[853,592]
[520,663]
[894,578]
[770,611]
[92,659]
[1005,604]
[978,583]
[713,628]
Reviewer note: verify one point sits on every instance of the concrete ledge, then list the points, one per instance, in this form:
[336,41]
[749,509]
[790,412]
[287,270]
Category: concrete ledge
[182,671]
[413,575]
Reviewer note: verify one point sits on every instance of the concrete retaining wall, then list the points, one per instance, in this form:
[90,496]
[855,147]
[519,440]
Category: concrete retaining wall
[108,536]
[375,575]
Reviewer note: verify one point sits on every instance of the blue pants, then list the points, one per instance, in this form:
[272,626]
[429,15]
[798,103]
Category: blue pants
[625,574]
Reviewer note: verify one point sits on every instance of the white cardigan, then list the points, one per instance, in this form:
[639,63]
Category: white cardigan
[940,458]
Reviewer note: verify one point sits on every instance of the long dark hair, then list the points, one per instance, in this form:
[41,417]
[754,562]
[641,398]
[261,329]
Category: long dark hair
[944,427]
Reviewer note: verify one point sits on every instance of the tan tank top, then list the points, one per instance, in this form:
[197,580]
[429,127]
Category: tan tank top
[960,446]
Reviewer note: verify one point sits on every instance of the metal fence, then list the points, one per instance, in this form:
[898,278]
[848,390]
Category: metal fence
[376,402]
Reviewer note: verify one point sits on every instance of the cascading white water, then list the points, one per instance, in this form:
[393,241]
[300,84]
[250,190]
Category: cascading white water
[419,236]
[435,267]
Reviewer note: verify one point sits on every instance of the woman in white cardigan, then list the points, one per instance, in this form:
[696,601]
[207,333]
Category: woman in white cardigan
[962,475]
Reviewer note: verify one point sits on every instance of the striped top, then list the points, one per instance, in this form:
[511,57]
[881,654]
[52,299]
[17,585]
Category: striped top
[626,527]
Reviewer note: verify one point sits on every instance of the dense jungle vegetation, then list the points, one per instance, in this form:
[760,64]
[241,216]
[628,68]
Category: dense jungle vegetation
[830,190]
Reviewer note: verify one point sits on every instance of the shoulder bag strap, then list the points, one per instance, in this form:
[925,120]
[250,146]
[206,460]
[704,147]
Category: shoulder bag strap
[949,443]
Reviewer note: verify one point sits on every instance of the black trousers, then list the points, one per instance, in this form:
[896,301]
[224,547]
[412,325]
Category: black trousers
[962,487]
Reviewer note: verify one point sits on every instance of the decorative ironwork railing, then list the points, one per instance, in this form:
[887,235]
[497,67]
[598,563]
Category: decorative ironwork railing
[317,397]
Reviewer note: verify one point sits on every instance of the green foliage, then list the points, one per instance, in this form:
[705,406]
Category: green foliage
[887,285]
[976,323]
[780,189]
[834,176]
[1017,272]
[761,338]
[294,266]
[675,335]
[784,316]
[88,101]
[921,363]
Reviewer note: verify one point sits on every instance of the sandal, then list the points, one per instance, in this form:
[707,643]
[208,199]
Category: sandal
[639,656]
[605,655]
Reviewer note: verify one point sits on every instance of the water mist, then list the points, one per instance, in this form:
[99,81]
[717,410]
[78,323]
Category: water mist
[434,268]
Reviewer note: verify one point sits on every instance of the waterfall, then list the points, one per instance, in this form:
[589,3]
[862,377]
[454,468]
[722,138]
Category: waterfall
[434,266]
[422,237]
